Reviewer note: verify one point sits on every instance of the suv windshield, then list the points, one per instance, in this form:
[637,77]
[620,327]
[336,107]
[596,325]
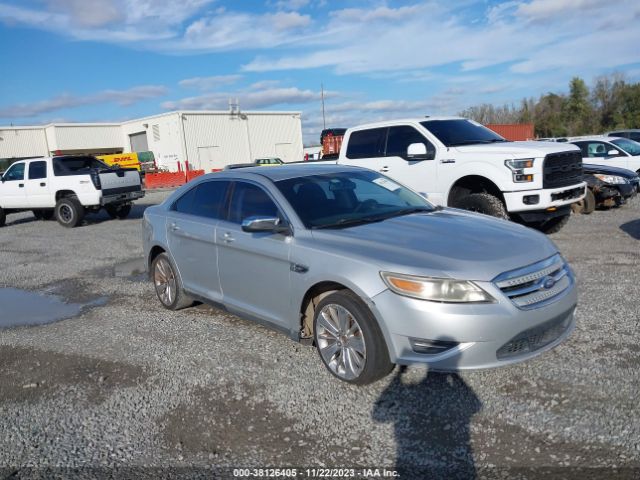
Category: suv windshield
[460,131]
[346,199]
[629,146]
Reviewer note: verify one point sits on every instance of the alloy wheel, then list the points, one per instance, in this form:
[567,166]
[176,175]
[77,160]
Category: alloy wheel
[165,282]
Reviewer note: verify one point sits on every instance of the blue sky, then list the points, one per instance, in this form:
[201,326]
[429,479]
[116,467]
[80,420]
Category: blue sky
[110,60]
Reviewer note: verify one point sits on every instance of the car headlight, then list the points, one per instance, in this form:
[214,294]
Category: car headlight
[517,166]
[436,289]
[612,179]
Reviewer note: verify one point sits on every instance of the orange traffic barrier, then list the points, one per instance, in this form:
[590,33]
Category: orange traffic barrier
[164,179]
[191,174]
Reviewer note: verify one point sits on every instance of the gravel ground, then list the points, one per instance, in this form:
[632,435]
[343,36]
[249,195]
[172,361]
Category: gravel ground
[127,388]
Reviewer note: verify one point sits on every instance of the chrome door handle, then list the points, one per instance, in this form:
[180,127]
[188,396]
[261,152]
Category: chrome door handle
[227,237]
[174,227]
[384,169]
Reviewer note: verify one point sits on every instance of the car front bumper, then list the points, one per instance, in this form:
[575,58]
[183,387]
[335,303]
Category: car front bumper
[547,198]
[488,335]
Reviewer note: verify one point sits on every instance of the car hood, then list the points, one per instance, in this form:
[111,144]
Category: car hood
[518,149]
[444,243]
[621,172]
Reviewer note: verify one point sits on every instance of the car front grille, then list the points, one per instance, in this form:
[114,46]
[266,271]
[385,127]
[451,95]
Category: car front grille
[536,285]
[535,338]
[562,169]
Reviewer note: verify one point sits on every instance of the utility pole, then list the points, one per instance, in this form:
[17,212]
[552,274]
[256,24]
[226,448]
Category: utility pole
[324,123]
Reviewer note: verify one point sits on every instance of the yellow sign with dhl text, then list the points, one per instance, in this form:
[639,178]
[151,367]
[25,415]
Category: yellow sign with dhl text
[124,160]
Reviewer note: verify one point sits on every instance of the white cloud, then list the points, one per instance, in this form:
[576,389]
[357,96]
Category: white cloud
[65,101]
[209,83]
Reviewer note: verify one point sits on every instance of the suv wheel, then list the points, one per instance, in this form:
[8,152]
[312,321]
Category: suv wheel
[167,284]
[349,340]
[483,203]
[69,212]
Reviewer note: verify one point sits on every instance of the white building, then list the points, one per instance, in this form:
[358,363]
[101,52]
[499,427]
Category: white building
[206,139]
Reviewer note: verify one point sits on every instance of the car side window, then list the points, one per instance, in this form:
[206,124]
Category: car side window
[583,148]
[37,170]
[249,200]
[367,143]
[184,204]
[15,172]
[209,199]
[399,138]
[597,150]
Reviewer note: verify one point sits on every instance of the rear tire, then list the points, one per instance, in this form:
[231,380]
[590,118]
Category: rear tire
[553,225]
[167,284]
[3,217]
[120,212]
[483,203]
[69,212]
[349,340]
[589,203]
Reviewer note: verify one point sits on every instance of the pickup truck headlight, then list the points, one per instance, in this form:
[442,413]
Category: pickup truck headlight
[612,179]
[517,166]
[436,289]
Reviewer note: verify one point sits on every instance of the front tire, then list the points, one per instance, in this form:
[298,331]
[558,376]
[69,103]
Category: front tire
[69,212]
[167,284]
[553,225]
[483,203]
[349,340]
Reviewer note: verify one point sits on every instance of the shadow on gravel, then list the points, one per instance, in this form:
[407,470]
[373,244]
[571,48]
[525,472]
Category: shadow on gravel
[632,228]
[431,420]
[137,211]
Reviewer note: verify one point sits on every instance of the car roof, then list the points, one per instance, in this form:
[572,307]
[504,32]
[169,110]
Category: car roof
[591,138]
[402,121]
[282,172]
[623,130]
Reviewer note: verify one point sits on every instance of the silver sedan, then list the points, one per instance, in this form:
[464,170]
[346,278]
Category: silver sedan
[362,267]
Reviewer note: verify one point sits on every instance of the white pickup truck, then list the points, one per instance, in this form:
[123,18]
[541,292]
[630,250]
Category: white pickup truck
[459,163]
[67,187]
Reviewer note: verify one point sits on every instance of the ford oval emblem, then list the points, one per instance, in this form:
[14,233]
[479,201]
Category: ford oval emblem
[549,282]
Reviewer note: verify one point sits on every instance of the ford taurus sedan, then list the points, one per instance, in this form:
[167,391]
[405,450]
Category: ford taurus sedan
[360,266]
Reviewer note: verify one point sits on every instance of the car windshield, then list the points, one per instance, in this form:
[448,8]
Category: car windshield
[460,131]
[345,199]
[629,146]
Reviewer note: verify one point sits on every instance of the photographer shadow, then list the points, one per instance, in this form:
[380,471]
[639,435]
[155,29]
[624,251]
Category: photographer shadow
[432,424]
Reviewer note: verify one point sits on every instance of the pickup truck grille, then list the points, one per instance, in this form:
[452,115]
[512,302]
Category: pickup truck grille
[562,169]
[535,285]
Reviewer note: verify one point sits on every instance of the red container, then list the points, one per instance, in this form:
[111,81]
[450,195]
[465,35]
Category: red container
[513,131]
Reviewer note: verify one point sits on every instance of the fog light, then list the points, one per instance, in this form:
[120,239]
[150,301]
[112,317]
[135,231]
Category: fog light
[431,347]
[531,199]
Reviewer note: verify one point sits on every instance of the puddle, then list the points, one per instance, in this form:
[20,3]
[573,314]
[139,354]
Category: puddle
[21,307]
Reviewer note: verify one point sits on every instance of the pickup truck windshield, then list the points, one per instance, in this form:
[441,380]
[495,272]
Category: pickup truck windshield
[345,199]
[459,132]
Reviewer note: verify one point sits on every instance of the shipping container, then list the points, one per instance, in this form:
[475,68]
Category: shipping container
[513,131]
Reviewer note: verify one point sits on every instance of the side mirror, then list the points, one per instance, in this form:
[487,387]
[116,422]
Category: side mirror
[613,153]
[265,224]
[418,151]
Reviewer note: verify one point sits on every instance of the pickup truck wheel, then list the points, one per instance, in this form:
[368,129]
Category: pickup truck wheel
[588,203]
[349,340]
[167,284]
[69,212]
[483,203]
[123,212]
[553,225]
[3,217]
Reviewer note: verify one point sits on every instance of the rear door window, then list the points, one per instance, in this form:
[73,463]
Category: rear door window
[367,143]
[37,170]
